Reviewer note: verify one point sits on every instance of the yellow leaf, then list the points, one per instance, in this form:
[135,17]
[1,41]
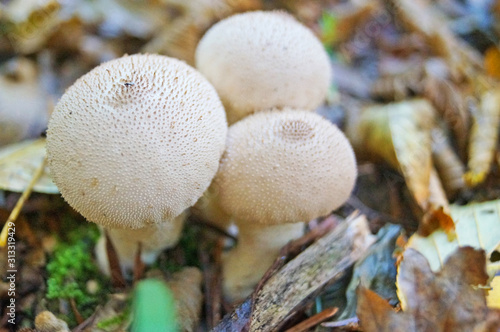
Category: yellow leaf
[400,134]
[476,225]
[19,161]
[493,298]
[492,61]
[484,138]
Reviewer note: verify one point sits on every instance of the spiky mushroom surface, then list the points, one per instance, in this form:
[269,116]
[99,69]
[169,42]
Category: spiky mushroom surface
[280,168]
[283,167]
[261,60]
[136,141]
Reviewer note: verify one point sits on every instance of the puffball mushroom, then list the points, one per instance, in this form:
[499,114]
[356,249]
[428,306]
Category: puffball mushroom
[136,141]
[262,60]
[280,168]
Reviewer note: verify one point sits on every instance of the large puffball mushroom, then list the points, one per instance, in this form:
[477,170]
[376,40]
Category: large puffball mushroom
[136,141]
[263,60]
[23,102]
[279,167]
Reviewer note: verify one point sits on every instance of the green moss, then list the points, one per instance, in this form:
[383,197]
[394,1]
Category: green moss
[188,243]
[71,267]
[112,323]
[328,30]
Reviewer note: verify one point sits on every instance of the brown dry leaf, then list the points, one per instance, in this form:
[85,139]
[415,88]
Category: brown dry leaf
[375,313]
[31,23]
[419,16]
[398,86]
[450,103]
[437,215]
[476,225]
[449,166]
[484,137]
[444,301]
[399,134]
[180,37]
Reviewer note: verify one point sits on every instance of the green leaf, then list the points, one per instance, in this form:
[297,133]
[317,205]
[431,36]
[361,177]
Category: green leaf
[153,307]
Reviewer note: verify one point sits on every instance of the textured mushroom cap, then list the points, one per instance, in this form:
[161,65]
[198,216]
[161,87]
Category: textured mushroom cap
[261,60]
[285,166]
[136,140]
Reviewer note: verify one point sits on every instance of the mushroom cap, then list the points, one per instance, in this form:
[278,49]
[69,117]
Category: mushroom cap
[285,166]
[136,140]
[263,60]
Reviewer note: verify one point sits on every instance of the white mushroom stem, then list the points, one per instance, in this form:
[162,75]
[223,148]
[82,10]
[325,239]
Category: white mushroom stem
[257,248]
[208,208]
[154,239]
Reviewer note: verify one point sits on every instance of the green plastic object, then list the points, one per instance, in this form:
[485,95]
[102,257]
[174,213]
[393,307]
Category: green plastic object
[153,308]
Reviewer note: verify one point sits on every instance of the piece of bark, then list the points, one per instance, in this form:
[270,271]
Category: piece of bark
[302,278]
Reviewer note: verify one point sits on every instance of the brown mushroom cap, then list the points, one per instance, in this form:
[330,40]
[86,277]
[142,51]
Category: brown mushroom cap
[261,60]
[285,166]
[136,140]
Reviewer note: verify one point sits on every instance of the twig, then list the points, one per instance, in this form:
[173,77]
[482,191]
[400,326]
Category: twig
[88,322]
[341,323]
[314,320]
[206,224]
[19,205]
[78,316]
[139,265]
[117,279]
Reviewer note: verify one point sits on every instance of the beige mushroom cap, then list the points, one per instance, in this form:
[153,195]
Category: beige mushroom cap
[285,166]
[136,140]
[262,60]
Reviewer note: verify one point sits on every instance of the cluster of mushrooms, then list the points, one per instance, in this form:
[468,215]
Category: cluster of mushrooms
[138,140]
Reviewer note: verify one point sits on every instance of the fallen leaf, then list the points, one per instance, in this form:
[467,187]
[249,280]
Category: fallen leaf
[443,301]
[484,137]
[448,165]
[18,163]
[450,103]
[419,16]
[399,134]
[493,298]
[492,61]
[375,270]
[476,225]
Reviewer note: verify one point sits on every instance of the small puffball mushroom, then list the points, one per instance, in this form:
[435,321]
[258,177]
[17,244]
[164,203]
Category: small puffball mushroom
[262,60]
[136,141]
[279,167]
[153,239]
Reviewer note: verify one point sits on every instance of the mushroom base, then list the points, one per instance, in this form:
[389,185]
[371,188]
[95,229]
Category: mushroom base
[154,240]
[257,248]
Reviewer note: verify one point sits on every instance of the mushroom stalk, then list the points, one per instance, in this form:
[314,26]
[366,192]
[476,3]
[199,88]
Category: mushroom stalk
[134,143]
[153,239]
[257,248]
[280,167]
